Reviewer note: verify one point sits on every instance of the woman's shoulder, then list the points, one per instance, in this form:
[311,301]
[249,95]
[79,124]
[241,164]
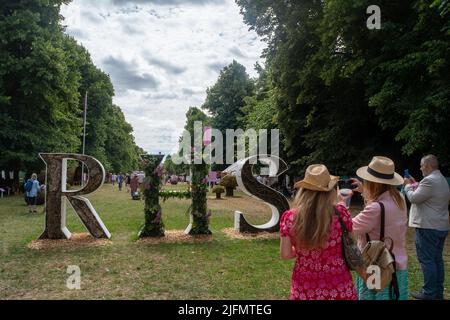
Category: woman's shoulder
[346,217]
[286,222]
[373,206]
[288,214]
[342,209]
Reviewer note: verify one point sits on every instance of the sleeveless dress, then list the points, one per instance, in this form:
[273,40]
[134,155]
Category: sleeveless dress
[321,274]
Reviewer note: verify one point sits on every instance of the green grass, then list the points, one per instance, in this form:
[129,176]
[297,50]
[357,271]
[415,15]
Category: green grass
[125,269]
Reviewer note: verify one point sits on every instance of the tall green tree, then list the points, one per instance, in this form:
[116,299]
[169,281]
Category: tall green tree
[39,97]
[344,93]
[259,110]
[315,115]
[120,148]
[174,169]
[225,98]
[44,75]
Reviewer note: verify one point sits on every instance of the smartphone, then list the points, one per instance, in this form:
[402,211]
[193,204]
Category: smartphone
[346,184]
[406,173]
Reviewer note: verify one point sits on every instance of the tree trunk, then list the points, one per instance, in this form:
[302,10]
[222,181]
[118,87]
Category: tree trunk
[229,192]
[218,195]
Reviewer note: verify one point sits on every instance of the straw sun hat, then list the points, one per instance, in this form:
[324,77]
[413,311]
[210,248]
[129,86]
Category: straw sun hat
[380,170]
[317,178]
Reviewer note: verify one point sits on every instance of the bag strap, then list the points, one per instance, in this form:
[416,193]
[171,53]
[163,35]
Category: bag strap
[382,223]
[394,290]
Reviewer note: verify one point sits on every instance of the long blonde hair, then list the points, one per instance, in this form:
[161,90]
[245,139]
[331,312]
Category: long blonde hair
[373,190]
[314,214]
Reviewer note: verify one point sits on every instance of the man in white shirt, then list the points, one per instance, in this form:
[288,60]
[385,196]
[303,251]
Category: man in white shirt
[429,215]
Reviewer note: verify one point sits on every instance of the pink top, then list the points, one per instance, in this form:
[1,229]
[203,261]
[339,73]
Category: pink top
[396,224]
[320,274]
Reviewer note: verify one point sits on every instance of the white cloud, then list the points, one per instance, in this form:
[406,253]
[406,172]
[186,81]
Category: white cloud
[161,56]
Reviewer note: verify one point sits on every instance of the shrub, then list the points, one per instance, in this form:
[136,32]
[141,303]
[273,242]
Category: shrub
[230,183]
[218,190]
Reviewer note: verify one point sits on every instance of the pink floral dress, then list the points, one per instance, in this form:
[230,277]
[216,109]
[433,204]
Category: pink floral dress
[321,274]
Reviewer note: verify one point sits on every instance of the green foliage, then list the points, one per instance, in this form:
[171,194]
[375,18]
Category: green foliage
[199,171]
[177,194]
[38,85]
[199,186]
[193,115]
[259,109]
[175,169]
[153,225]
[120,148]
[44,75]
[226,98]
[218,189]
[229,181]
[343,93]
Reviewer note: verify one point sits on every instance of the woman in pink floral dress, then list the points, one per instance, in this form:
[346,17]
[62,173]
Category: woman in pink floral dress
[311,233]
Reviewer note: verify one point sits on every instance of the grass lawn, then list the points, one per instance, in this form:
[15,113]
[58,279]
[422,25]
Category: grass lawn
[124,269]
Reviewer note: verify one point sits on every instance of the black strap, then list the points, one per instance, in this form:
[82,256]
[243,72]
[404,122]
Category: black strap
[382,223]
[379,174]
[394,290]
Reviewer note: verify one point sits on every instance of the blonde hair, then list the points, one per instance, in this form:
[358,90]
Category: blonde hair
[373,190]
[34,176]
[312,222]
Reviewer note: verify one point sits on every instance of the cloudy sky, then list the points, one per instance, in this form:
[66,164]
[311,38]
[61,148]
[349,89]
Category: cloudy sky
[161,56]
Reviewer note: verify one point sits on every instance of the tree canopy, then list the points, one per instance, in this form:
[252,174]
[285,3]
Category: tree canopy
[44,75]
[344,93]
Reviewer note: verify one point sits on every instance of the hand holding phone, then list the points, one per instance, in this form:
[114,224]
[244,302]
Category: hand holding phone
[355,185]
[406,174]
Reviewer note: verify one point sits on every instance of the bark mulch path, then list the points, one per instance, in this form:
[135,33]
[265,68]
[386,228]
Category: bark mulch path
[77,240]
[176,236]
[232,233]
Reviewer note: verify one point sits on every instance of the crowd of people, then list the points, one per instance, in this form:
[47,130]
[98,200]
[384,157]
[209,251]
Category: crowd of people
[312,231]
[132,182]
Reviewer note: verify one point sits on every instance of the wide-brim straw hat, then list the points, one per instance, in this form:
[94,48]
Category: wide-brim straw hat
[380,170]
[317,178]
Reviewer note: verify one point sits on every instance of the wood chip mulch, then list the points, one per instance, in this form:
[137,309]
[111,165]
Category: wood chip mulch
[176,236]
[232,233]
[77,240]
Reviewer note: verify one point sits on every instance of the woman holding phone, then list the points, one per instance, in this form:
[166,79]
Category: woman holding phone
[379,186]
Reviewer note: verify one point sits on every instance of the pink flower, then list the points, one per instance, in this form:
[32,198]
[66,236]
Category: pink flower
[333,293]
[158,217]
[158,171]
